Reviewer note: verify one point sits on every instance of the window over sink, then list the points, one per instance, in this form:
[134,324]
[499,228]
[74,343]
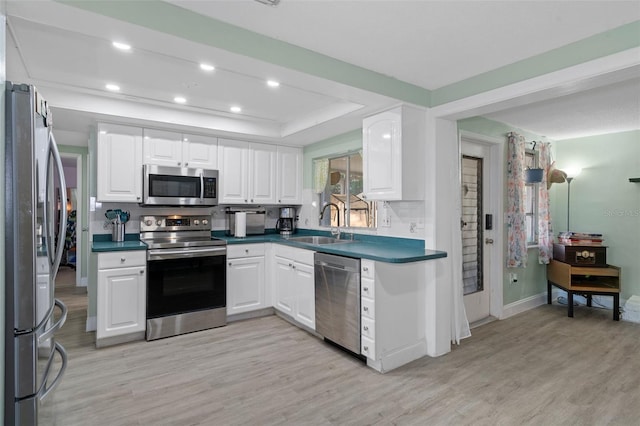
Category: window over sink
[339,183]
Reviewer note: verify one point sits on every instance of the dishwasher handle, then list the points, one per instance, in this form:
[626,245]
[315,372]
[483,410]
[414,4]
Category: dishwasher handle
[346,268]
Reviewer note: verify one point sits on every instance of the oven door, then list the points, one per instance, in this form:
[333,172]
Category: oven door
[185,280]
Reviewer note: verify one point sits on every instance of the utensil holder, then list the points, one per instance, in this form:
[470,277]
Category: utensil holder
[117,232]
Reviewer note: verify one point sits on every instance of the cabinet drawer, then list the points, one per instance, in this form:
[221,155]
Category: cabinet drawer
[296,254]
[368,347]
[244,250]
[367,268]
[368,308]
[367,288]
[122,259]
[368,328]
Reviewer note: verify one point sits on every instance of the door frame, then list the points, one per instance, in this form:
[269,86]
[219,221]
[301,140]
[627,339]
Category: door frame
[79,212]
[496,148]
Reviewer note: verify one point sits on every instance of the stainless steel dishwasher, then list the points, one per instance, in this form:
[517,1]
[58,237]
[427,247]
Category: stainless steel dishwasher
[337,283]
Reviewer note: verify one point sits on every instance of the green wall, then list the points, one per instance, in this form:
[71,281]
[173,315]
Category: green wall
[3,21]
[532,279]
[602,198]
[350,141]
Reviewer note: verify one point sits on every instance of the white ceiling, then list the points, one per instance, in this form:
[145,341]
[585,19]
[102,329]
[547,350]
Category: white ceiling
[427,43]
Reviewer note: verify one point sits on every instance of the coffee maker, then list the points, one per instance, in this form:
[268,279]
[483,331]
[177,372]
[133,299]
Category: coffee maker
[286,224]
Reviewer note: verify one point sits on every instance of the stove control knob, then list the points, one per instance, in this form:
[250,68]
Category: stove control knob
[196,222]
[159,223]
[148,222]
[205,222]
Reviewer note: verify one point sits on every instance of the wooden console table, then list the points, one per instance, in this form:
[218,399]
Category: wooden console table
[587,280]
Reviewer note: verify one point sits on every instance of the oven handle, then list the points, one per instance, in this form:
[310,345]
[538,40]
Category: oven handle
[201,185]
[161,254]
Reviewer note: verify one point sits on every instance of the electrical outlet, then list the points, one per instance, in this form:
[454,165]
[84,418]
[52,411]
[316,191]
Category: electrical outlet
[412,227]
[385,217]
[513,277]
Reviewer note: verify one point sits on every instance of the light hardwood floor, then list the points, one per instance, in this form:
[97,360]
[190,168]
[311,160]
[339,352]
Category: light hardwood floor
[538,368]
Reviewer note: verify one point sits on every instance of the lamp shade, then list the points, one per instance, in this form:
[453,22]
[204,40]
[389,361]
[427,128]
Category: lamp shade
[533,175]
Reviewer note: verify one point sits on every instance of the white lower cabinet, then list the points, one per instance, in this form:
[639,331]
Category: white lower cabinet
[245,278]
[121,295]
[392,313]
[293,281]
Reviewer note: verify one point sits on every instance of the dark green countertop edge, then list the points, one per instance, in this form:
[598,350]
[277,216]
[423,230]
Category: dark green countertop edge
[103,243]
[373,247]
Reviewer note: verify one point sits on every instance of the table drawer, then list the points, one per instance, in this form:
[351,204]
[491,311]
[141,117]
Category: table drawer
[367,288]
[122,259]
[368,348]
[367,308]
[368,328]
[367,268]
[244,250]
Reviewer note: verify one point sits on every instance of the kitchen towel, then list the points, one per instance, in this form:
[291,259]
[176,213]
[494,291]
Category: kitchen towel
[241,225]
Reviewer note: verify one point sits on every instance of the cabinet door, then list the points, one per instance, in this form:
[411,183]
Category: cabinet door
[382,156]
[200,152]
[233,163]
[119,164]
[245,285]
[262,169]
[162,148]
[289,190]
[305,307]
[122,301]
[283,285]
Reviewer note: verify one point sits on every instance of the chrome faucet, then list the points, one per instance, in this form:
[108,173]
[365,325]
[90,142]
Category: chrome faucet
[337,211]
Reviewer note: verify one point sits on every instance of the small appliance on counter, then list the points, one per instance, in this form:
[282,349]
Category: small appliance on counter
[286,224]
[118,219]
[254,223]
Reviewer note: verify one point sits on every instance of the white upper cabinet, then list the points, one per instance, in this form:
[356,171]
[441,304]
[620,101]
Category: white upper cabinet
[164,148]
[262,169]
[289,175]
[200,151]
[393,144]
[119,164]
[247,172]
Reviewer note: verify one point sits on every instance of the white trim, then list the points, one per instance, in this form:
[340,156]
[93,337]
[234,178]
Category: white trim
[79,210]
[617,67]
[496,208]
[92,324]
[83,282]
[523,305]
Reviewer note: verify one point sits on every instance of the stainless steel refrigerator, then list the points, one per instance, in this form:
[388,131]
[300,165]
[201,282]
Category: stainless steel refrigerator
[35,222]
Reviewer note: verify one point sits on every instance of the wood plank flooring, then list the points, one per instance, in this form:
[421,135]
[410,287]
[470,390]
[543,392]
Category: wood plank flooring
[537,368]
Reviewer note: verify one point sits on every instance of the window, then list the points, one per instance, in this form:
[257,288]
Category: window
[531,200]
[341,202]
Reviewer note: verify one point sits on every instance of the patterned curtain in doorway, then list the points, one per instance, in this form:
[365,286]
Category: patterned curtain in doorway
[545,232]
[516,230]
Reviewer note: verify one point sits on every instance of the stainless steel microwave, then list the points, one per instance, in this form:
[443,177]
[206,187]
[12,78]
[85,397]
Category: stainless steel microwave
[179,186]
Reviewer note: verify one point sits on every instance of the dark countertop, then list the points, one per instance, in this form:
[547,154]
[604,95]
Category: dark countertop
[382,249]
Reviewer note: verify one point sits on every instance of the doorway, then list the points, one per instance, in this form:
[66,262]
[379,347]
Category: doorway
[72,235]
[480,169]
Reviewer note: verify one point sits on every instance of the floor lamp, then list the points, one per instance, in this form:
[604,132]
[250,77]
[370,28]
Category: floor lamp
[571,173]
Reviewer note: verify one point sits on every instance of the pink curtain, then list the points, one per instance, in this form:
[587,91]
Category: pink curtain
[516,230]
[545,232]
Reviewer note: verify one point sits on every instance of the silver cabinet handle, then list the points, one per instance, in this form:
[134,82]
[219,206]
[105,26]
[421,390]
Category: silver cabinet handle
[141,271]
[246,251]
[366,348]
[178,163]
[137,198]
[279,201]
[364,268]
[186,164]
[366,309]
[366,289]
[366,328]
[230,264]
[123,259]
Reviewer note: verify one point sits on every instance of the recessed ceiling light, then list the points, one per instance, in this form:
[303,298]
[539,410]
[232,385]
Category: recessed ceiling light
[121,46]
[273,83]
[186,139]
[103,132]
[179,100]
[386,136]
[235,109]
[112,87]
[207,67]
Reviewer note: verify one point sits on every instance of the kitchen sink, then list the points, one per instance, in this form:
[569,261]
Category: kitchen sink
[318,240]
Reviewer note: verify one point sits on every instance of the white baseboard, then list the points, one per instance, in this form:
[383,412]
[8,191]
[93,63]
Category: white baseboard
[525,304]
[92,324]
[83,282]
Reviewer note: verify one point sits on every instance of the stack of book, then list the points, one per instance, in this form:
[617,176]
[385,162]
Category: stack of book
[580,239]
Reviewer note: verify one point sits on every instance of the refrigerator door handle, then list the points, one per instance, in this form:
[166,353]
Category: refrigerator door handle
[55,262]
[55,327]
[63,355]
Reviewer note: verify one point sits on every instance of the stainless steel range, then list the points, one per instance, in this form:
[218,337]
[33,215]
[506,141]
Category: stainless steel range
[186,275]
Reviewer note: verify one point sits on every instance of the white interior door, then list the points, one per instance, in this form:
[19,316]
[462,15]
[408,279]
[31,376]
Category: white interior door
[477,240]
